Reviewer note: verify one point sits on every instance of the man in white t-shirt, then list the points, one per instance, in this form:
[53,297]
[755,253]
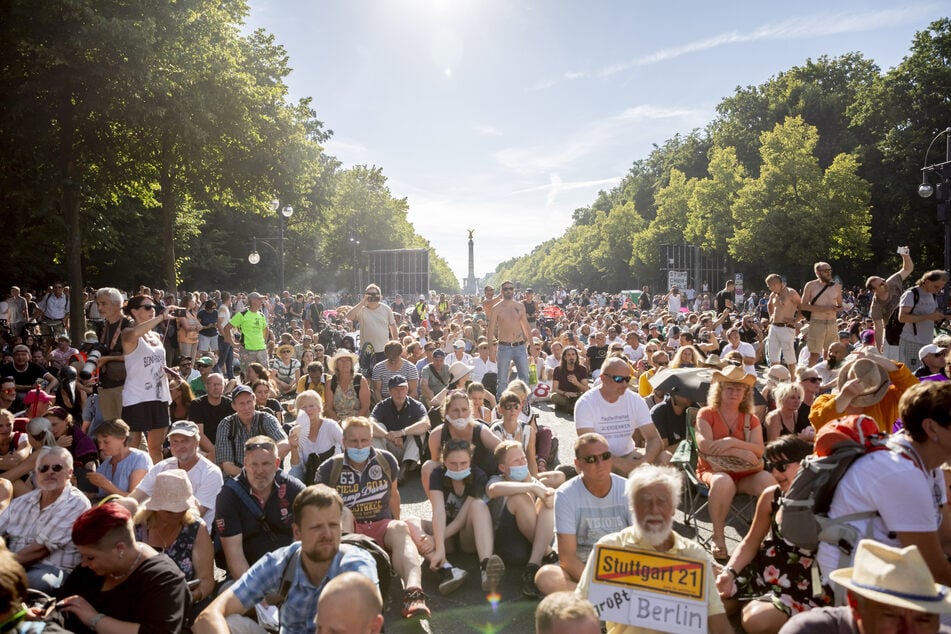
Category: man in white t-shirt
[204,475]
[905,490]
[745,349]
[377,324]
[633,349]
[615,412]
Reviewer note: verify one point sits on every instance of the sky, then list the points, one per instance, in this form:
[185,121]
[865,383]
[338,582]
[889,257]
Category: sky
[504,116]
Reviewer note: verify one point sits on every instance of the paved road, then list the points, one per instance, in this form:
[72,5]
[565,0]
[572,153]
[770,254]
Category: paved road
[468,610]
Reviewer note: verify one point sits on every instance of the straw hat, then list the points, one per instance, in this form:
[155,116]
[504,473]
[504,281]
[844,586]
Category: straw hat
[713,360]
[172,492]
[342,352]
[873,378]
[733,374]
[894,576]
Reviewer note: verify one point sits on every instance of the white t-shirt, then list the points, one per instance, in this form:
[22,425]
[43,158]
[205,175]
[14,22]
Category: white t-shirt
[587,517]
[481,367]
[206,480]
[906,498]
[615,421]
[329,435]
[634,354]
[745,349]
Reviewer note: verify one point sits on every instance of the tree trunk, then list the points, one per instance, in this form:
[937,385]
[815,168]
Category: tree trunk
[69,206]
[169,213]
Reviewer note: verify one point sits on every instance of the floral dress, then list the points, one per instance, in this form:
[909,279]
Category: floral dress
[782,574]
[181,549]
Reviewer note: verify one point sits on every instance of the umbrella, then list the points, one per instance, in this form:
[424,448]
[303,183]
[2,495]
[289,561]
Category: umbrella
[692,383]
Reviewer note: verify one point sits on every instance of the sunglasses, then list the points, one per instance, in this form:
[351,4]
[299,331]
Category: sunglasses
[454,445]
[813,379]
[147,307]
[778,466]
[618,378]
[506,290]
[511,406]
[594,458]
[55,467]
[269,446]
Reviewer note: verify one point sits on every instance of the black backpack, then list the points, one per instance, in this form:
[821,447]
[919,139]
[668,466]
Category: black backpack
[893,327]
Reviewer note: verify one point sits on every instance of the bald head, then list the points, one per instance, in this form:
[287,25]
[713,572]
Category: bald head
[350,603]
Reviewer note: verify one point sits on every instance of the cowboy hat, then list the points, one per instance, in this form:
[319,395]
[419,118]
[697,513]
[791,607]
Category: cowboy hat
[341,353]
[873,378]
[733,374]
[713,360]
[894,576]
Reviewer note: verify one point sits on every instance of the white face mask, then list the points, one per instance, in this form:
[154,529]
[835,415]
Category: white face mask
[458,423]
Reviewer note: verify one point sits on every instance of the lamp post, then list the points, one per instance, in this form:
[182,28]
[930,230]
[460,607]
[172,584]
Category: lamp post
[941,191]
[355,243]
[254,257]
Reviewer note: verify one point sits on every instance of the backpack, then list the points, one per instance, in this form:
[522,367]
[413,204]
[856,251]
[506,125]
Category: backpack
[804,520]
[357,383]
[893,327]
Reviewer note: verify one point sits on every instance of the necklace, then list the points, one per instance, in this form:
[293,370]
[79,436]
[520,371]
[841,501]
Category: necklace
[131,568]
[160,534]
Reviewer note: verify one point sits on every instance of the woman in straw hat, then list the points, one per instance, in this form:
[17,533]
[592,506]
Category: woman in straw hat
[347,393]
[727,430]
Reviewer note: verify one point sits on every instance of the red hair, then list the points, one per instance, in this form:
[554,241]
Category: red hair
[92,526]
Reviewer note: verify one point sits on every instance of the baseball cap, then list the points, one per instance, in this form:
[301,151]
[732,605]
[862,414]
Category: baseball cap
[439,352]
[397,380]
[929,349]
[459,343]
[184,427]
[255,295]
[205,361]
[241,389]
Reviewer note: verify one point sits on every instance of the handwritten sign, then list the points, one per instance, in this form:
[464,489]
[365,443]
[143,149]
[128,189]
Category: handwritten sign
[650,589]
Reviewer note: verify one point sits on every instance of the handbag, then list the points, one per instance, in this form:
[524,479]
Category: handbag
[735,460]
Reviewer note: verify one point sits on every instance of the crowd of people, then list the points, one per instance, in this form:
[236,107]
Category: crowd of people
[239,457]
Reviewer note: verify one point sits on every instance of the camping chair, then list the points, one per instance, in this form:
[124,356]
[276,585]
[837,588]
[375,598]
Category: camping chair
[695,497]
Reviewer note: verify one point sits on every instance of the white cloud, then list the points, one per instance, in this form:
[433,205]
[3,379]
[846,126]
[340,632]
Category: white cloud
[349,151]
[486,130]
[556,186]
[807,27]
[592,137]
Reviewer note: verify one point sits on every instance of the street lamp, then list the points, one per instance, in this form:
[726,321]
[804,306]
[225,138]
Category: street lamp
[941,192]
[254,257]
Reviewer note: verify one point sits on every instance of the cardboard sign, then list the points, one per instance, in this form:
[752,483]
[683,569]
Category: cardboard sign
[650,589]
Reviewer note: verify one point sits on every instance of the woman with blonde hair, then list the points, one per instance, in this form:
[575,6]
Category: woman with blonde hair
[313,438]
[347,393]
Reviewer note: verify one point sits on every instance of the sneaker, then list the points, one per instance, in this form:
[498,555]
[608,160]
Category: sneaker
[493,569]
[529,589]
[414,603]
[551,558]
[450,579]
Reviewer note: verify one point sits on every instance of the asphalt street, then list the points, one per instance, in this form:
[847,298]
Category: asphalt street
[468,610]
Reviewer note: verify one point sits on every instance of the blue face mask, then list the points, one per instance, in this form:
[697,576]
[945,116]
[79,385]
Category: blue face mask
[459,475]
[358,455]
[518,472]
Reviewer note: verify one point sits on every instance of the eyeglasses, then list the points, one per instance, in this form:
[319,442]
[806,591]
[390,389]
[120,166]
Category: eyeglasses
[456,444]
[778,466]
[511,406]
[593,458]
[55,467]
[618,378]
[268,446]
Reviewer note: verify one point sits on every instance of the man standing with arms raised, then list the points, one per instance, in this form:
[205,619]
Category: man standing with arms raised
[377,326]
[885,297]
[822,297]
[509,325]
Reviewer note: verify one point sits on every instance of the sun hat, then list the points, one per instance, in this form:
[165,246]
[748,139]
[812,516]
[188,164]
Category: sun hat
[458,370]
[873,378]
[894,576]
[713,360]
[285,348]
[341,353]
[172,492]
[733,374]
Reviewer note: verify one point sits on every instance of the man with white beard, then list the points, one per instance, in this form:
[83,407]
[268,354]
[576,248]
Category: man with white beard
[654,495]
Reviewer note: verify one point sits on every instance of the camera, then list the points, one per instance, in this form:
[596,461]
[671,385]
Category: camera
[178,312]
[92,362]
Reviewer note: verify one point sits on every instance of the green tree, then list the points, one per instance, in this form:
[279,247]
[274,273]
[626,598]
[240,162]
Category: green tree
[710,215]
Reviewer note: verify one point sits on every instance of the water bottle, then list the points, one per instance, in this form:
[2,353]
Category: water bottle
[532,374]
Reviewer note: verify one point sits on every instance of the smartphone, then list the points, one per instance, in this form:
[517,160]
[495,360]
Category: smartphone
[179,312]
[902,251]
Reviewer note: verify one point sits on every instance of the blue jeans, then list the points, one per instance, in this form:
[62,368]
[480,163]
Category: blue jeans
[225,363]
[504,358]
[45,578]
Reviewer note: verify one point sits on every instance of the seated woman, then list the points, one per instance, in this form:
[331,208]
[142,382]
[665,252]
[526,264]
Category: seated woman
[169,522]
[81,447]
[313,438]
[123,585]
[784,420]
[512,428]
[286,370]
[731,447]
[456,489]
[122,467]
[477,401]
[347,393]
[775,577]
[460,425]
[264,402]
[546,445]
[182,397]
[686,357]
[257,372]
[523,511]
[14,445]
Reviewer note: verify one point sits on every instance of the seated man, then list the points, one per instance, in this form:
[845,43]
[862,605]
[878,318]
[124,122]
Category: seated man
[204,475]
[523,510]
[670,419]
[587,507]
[209,410]
[38,526]
[261,488]
[350,603]
[204,366]
[654,495]
[366,480]
[566,613]
[246,422]
[616,412]
[317,514]
[399,424]
[886,587]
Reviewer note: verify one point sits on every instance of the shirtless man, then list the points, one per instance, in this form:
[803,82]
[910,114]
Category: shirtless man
[509,324]
[782,306]
[823,298]
[489,302]
[885,296]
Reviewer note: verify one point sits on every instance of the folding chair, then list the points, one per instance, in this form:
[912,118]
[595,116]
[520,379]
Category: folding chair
[696,493]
